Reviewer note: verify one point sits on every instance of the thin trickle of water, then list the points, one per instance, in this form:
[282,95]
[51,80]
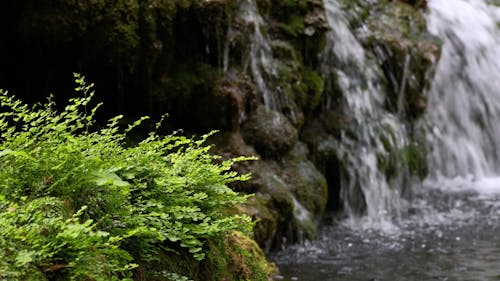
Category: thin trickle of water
[372,134]
[464,100]
[260,60]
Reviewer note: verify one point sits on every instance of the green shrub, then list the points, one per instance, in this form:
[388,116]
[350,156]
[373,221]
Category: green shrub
[73,195]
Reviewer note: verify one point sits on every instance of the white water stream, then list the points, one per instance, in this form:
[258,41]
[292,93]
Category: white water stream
[259,61]
[449,231]
[373,133]
[464,101]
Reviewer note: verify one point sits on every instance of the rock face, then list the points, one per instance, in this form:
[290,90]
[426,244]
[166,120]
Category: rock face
[194,60]
[407,52]
[270,132]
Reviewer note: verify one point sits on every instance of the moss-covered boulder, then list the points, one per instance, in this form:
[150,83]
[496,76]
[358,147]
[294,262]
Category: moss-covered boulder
[260,207]
[238,257]
[293,191]
[288,201]
[270,132]
[306,182]
[234,256]
[416,3]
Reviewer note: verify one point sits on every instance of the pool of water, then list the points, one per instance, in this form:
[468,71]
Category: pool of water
[444,235]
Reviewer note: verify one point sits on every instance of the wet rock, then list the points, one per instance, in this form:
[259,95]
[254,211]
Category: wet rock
[306,182]
[268,181]
[236,257]
[290,192]
[269,132]
[416,3]
[234,98]
[289,200]
[309,91]
[260,208]
[408,54]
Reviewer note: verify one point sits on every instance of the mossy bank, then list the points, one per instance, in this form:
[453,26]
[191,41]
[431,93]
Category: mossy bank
[195,60]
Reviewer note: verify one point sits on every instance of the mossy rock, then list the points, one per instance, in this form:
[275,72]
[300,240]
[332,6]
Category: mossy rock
[292,220]
[310,90]
[232,256]
[260,208]
[268,181]
[410,54]
[107,27]
[180,263]
[417,3]
[307,183]
[290,13]
[234,96]
[411,157]
[284,51]
[237,257]
[270,132]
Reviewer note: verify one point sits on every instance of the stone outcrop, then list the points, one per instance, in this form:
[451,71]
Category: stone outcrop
[190,59]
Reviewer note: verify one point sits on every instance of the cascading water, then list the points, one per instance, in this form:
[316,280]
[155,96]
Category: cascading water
[260,60]
[464,102]
[451,230]
[373,133]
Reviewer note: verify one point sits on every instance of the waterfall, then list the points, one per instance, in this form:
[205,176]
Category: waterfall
[450,229]
[464,101]
[260,60]
[372,135]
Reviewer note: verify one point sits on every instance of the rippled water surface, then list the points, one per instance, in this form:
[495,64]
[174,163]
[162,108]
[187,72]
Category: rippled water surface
[456,236]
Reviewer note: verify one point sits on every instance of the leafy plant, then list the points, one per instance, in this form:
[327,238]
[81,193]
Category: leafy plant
[74,195]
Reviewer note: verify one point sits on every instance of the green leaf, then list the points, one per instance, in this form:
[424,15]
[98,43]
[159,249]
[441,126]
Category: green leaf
[105,178]
[24,257]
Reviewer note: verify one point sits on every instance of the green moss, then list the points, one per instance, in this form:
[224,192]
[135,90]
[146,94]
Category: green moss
[284,51]
[400,30]
[287,7]
[361,9]
[237,257]
[264,6]
[309,91]
[315,87]
[290,15]
[189,81]
[108,28]
[285,73]
[259,208]
[411,157]
[300,90]
[169,262]
[306,182]
[414,156]
[294,26]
